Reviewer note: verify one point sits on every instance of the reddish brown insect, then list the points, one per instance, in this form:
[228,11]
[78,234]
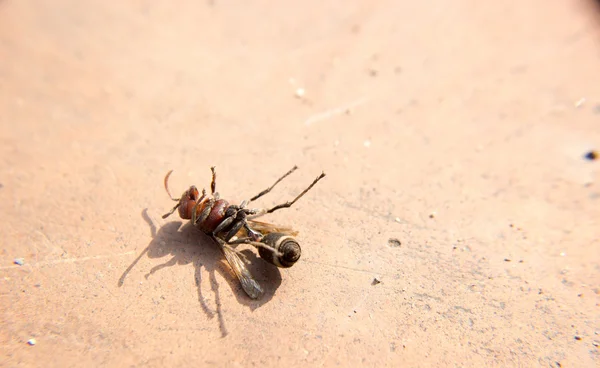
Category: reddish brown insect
[230,225]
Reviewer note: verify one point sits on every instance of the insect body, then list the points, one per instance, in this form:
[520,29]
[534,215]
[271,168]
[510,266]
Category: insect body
[231,225]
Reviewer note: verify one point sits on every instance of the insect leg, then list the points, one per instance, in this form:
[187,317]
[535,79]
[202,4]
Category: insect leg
[256,244]
[170,212]
[289,204]
[272,186]
[213,183]
[205,212]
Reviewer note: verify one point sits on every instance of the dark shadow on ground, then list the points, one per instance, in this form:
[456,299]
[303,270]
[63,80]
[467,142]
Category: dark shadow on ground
[185,244]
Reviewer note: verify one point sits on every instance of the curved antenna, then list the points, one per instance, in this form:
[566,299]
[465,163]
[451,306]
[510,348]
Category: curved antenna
[166,182]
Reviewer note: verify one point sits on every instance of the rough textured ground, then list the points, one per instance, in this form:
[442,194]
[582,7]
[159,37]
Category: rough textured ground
[452,134]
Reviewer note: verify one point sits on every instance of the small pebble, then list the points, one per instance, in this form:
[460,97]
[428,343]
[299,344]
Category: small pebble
[393,242]
[398,219]
[506,260]
[591,155]
[595,343]
[19,261]
[376,281]
[31,342]
[578,338]
[300,92]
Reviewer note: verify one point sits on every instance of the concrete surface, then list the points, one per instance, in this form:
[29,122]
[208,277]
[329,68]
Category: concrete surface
[452,134]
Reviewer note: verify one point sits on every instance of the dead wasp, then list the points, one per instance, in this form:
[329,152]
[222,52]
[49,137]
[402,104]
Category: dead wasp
[230,225]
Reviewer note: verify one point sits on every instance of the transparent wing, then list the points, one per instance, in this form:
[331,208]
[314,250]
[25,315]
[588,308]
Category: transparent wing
[250,286]
[266,228]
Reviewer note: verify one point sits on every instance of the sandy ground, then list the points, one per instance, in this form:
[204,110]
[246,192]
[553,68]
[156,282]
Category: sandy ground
[452,134]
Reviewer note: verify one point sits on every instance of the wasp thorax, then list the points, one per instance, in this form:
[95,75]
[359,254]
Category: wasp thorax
[282,251]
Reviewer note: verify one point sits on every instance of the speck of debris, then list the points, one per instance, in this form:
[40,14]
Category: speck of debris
[580,295]
[393,242]
[520,261]
[506,260]
[595,343]
[432,215]
[31,342]
[578,338]
[558,364]
[19,261]
[300,92]
[376,281]
[511,225]
[591,155]
[398,219]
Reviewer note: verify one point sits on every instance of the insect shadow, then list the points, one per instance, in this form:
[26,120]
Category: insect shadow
[185,244]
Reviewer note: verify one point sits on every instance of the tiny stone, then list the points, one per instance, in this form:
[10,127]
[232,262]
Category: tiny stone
[578,338]
[591,155]
[398,219]
[376,281]
[595,343]
[393,242]
[31,342]
[432,215]
[19,261]
[506,260]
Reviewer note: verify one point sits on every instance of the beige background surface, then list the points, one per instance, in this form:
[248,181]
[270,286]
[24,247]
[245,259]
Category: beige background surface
[455,127]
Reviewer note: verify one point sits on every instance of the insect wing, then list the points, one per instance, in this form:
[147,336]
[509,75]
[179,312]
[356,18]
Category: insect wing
[250,286]
[267,228]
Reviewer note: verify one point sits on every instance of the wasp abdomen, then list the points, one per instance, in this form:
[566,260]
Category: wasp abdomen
[287,248]
[215,216]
